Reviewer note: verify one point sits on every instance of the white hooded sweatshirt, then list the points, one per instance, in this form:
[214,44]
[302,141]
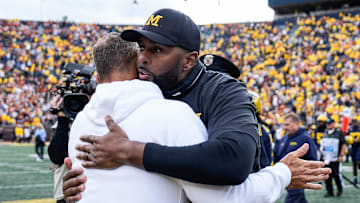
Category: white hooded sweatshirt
[142,112]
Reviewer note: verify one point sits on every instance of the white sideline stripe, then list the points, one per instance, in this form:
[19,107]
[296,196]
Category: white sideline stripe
[15,159]
[22,172]
[23,167]
[22,155]
[25,186]
[347,168]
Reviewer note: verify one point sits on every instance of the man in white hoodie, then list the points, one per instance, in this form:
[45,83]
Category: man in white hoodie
[146,116]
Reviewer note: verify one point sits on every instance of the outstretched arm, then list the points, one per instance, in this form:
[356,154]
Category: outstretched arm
[255,188]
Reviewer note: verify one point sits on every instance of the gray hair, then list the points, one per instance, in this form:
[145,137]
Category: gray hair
[112,52]
[293,116]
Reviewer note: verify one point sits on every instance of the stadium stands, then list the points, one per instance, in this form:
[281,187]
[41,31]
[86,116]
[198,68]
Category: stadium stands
[310,65]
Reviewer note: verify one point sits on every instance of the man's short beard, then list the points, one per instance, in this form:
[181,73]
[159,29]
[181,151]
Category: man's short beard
[168,80]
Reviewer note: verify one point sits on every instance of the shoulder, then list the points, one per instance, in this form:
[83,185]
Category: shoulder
[306,136]
[215,80]
[183,127]
[283,139]
[168,106]
[217,87]
[170,111]
[265,129]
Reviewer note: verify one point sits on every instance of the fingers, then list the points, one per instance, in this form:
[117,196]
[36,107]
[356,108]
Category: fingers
[302,150]
[85,148]
[56,101]
[113,127]
[73,173]
[110,123]
[310,178]
[59,101]
[84,156]
[73,199]
[67,162]
[312,186]
[319,171]
[72,194]
[313,164]
[89,138]
[89,164]
[73,184]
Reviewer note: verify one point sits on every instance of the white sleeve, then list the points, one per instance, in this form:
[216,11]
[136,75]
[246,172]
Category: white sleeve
[262,187]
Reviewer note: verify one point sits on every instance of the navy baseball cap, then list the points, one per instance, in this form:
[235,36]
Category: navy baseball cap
[220,64]
[330,120]
[168,27]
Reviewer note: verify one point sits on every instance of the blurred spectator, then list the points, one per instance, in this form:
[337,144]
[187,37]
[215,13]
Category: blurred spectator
[27,134]
[294,137]
[19,133]
[40,136]
[332,147]
[320,129]
[353,139]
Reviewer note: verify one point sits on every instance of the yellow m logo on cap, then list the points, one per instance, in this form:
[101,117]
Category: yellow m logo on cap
[153,21]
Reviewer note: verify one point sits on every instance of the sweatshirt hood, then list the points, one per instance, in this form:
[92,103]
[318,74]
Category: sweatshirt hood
[119,99]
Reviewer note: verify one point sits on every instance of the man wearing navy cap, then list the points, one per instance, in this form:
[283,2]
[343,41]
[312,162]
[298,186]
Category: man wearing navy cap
[332,147]
[169,46]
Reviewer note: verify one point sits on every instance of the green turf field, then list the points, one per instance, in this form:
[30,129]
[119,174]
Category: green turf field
[23,178]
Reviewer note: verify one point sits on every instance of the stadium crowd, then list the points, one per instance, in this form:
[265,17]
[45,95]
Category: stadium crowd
[310,66]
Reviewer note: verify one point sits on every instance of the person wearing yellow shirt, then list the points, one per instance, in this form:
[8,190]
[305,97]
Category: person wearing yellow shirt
[19,133]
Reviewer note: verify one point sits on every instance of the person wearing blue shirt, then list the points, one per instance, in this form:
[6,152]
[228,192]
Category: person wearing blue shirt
[267,141]
[294,138]
[354,136]
[40,135]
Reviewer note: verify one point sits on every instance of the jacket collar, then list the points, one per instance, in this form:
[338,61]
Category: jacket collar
[187,83]
[300,131]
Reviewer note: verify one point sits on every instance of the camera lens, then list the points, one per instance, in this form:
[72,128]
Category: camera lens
[74,103]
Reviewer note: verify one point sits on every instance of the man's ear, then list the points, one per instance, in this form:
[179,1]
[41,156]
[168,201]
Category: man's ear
[97,78]
[190,60]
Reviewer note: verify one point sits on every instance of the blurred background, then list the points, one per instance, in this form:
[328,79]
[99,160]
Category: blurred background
[297,55]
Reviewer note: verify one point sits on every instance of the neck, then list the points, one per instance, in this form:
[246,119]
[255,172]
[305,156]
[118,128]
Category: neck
[294,133]
[118,76]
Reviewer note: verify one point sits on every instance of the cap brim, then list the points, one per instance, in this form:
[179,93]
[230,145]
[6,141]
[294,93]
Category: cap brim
[134,36]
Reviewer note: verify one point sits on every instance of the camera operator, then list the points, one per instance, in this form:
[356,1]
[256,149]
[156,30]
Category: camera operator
[72,95]
[58,148]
